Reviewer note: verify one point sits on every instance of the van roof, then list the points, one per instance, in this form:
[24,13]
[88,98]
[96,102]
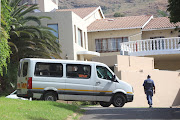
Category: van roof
[60,60]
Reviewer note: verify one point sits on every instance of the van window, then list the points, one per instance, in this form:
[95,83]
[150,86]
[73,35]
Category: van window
[48,69]
[19,69]
[104,73]
[78,71]
[25,68]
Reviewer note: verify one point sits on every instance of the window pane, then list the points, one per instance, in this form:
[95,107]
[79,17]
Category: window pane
[109,44]
[125,39]
[104,73]
[49,70]
[104,45]
[55,27]
[80,37]
[78,71]
[98,45]
[25,68]
[114,47]
[119,41]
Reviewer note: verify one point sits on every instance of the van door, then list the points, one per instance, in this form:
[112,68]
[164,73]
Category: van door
[79,85]
[49,76]
[22,78]
[104,85]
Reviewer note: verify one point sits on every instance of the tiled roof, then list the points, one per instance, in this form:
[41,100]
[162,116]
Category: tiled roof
[119,23]
[82,12]
[159,23]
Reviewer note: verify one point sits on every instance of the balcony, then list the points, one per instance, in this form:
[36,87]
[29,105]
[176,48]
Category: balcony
[151,47]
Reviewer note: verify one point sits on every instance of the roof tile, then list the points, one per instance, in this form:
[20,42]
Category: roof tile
[82,12]
[159,23]
[119,23]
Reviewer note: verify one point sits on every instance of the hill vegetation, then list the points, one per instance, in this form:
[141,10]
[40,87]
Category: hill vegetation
[124,7]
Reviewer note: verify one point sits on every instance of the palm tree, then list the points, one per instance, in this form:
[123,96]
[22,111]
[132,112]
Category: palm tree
[31,41]
[26,40]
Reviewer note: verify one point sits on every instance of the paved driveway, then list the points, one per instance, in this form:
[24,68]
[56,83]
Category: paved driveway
[100,113]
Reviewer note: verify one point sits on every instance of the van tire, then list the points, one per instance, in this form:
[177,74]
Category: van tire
[119,100]
[50,96]
[105,104]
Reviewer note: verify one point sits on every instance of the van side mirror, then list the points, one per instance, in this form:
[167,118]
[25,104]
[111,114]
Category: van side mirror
[114,78]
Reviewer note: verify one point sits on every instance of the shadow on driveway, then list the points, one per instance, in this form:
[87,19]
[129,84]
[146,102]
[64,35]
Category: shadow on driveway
[94,113]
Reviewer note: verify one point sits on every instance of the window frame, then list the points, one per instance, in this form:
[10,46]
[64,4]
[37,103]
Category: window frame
[80,38]
[23,70]
[46,63]
[53,32]
[101,74]
[76,74]
[102,44]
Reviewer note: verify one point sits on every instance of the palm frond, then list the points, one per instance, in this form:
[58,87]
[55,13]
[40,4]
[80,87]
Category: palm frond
[28,10]
[13,45]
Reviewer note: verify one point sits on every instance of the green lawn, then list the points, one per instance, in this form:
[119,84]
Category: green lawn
[13,109]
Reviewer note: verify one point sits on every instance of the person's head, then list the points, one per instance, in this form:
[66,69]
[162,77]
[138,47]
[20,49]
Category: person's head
[148,76]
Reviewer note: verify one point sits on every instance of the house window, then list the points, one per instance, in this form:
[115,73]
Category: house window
[85,40]
[80,41]
[109,44]
[55,33]
[75,33]
[78,71]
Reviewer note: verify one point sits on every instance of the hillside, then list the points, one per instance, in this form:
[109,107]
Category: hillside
[126,7]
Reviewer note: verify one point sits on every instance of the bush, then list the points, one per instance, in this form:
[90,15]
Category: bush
[117,14]
[83,103]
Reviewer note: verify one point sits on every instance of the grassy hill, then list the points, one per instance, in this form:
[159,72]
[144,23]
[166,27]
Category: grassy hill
[13,109]
[126,7]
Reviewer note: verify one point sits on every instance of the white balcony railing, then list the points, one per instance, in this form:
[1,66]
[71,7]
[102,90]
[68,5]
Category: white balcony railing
[151,47]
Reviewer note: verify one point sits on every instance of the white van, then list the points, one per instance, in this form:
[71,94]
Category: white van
[52,79]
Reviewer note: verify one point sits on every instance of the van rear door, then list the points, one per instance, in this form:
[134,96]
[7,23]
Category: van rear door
[22,79]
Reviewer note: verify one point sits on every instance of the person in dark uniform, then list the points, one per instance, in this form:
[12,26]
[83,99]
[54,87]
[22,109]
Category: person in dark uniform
[149,89]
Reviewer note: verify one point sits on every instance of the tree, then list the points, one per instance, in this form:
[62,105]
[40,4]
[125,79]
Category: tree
[4,36]
[162,13]
[26,40]
[117,14]
[30,41]
[174,10]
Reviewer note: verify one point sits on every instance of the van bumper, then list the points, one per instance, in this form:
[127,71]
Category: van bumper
[129,97]
[28,95]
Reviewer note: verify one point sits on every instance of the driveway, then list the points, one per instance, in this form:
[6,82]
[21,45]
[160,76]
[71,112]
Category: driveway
[100,113]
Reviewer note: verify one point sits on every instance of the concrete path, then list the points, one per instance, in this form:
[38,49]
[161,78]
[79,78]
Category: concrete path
[112,113]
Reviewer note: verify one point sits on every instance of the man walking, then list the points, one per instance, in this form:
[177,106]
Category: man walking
[149,87]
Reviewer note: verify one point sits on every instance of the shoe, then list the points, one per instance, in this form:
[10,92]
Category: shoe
[150,106]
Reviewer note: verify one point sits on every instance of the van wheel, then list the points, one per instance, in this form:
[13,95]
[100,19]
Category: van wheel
[50,96]
[118,100]
[105,104]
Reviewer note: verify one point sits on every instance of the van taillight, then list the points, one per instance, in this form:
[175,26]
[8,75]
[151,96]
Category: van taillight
[29,85]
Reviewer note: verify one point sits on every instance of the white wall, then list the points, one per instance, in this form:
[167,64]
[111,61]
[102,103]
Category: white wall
[65,31]
[135,72]
[49,5]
